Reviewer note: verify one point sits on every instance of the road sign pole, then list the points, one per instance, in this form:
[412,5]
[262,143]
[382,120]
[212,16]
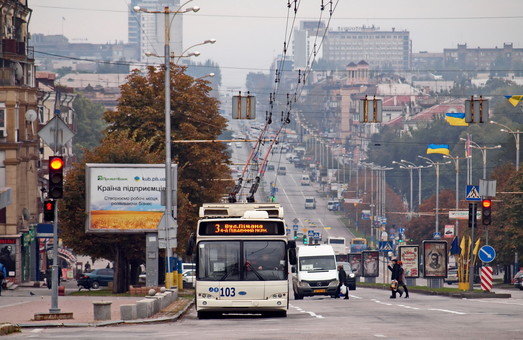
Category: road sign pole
[471,262]
[54,280]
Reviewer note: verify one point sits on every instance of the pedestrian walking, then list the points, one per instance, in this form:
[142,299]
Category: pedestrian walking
[342,278]
[87,267]
[3,276]
[401,281]
[395,277]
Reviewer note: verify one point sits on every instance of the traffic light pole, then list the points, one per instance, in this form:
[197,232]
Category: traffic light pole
[472,242]
[54,282]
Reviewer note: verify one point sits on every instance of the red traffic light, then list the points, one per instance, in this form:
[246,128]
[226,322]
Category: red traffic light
[49,206]
[56,163]
[486,203]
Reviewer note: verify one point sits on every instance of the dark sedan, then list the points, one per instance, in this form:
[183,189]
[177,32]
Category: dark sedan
[96,278]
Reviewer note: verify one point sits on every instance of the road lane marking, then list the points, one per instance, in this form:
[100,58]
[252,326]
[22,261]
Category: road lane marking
[310,313]
[447,311]
[356,297]
[500,302]
[379,336]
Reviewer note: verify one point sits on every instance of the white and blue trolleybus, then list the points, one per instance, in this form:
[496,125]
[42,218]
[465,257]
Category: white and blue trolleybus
[242,260]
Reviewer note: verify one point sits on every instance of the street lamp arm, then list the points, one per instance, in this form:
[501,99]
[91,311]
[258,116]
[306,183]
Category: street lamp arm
[502,125]
[427,159]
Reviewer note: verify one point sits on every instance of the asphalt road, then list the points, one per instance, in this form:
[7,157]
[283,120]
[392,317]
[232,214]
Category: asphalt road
[368,314]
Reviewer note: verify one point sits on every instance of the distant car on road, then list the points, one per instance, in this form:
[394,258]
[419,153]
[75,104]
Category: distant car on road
[282,170]
[96,278]
[310,203]
[518,280]
[270,167]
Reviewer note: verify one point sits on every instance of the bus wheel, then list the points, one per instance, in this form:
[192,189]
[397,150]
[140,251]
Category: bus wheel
[297,296]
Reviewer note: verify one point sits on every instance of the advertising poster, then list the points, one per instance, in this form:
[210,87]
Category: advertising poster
[371,266]
[435,258]
[355,263]
[409,255]
[8,255]
[449,231]
[125,197]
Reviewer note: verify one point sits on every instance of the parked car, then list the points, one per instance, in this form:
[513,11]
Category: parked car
[518,280]
[189,277]
[96,278]
[270,167]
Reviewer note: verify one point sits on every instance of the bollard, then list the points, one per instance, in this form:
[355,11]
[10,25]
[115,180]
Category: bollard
[102,310]
[128,312]
[142,309]
[61,291]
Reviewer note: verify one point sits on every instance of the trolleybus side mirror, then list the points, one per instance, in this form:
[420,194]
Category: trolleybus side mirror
[293,269]
[292,256]
[291,244]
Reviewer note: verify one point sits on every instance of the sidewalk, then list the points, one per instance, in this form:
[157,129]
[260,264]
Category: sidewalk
[18,307]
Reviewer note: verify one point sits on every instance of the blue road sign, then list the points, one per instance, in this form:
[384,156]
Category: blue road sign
[436,236]
[401,230]
[294,227]
[310,233]
[473,193]
[487,254]
[385,246]
[317,235]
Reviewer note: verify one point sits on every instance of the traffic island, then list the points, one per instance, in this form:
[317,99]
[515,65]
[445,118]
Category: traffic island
[451,292]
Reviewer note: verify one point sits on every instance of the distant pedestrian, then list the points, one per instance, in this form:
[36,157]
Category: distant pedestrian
[342,278]
[395,277]
[3,276]
[108,265]
[401,281]
[87,267]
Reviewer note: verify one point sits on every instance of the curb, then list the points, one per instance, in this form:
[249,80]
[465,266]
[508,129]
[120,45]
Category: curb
[458,295]
[104,323]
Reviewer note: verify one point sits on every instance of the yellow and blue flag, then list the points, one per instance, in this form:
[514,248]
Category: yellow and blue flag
[456,119]
[438,148]
[514,100]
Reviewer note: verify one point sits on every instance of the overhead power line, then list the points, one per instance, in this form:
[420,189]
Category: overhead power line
[483,17]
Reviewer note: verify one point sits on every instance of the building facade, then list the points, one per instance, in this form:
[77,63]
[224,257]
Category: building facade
[383,50]
[18,143]
[305,36]
[484,58]
[147,29]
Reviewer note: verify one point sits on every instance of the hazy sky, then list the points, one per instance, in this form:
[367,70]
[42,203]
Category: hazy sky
[250,33]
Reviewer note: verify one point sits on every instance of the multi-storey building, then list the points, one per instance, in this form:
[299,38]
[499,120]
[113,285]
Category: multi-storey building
[383,50]
[305,37]
[147,30]
[18,143]
[483,58]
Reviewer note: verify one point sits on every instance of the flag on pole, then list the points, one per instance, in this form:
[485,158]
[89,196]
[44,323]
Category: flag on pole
[456,119]
[463,246]
[454,247]
[438,148]
[476,247]
[514,100]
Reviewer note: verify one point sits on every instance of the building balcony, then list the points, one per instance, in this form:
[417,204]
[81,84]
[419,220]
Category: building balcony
[16,50]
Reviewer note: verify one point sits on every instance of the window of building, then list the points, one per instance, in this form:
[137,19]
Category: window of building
[3,130]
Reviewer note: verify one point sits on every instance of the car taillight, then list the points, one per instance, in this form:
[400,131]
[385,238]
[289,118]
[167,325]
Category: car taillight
[85,277]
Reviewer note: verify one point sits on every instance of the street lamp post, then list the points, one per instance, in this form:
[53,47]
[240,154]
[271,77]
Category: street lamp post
[410,168]
[437,165]
[483,150]
[455,160]
[516,134]
[168,219]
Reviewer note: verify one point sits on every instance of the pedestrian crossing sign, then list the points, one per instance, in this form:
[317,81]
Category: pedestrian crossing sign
[473,193]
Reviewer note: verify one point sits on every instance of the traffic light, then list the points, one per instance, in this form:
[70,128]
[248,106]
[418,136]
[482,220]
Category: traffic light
[473,208]
[56,177]
[305,240]
[49,211]
[295,234]
[486,213]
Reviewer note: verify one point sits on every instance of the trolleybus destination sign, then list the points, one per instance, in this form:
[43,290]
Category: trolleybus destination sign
[241,228]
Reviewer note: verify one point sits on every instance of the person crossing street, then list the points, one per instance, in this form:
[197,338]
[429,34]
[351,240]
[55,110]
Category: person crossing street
[342,278]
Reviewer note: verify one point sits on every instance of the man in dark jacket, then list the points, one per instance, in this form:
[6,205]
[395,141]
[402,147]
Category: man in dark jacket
[342,278]
[396,275]
[3,276]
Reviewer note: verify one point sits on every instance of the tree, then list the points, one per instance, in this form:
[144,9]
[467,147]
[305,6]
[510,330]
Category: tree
[506,230]
[89,125]
[122,249]
[203,172]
